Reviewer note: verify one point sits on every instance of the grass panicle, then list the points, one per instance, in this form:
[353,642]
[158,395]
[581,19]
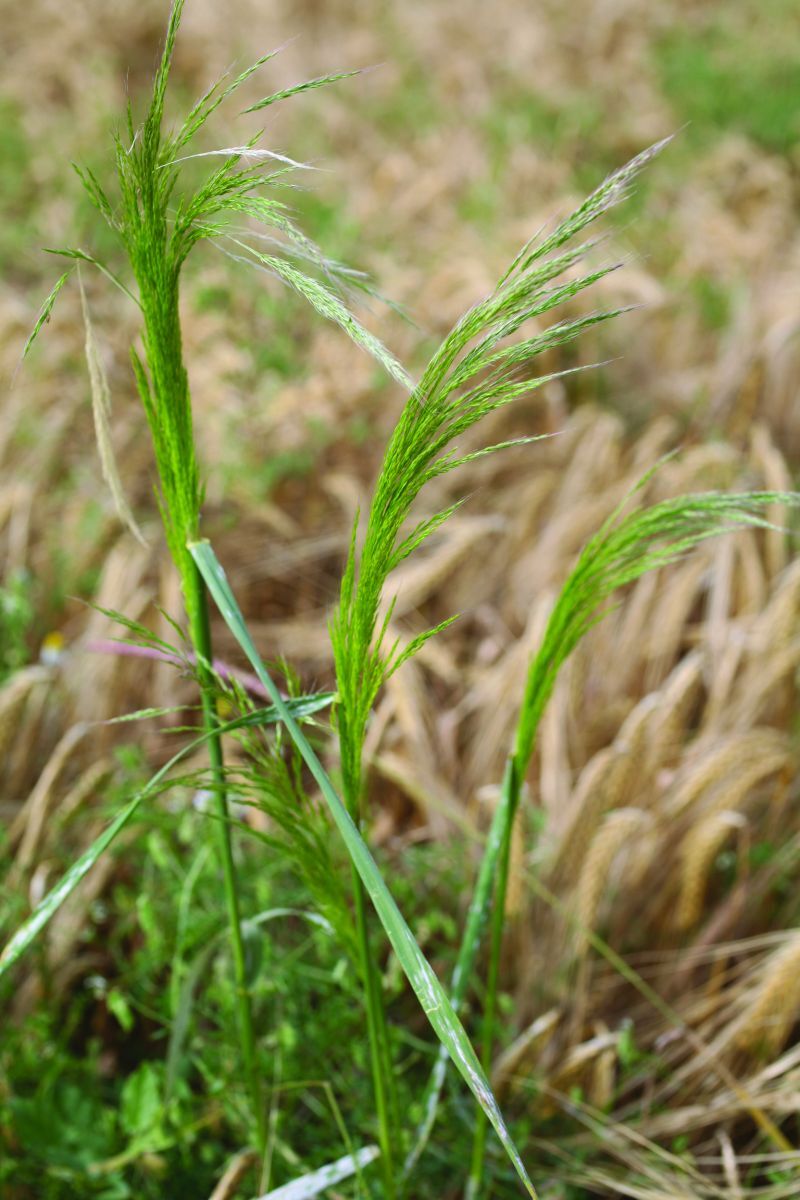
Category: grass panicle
[473,373]
[624,549]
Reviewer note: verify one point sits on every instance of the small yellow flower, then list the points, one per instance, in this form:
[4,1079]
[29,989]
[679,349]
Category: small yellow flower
[52,650]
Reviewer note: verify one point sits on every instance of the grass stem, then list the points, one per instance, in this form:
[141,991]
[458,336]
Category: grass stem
[377,1032]
[197,604]
[509,803]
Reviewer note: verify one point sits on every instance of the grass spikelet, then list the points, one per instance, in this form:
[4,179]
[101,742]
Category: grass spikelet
[776,759]
[774,1004]
[44,313]
[669,617]
[777,477]
[594,794]
[699,851]
[605,784]
[101,411]
[777,624]
[768,691]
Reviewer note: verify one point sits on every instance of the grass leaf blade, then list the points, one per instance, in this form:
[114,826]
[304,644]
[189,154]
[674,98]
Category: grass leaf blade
[318,1181]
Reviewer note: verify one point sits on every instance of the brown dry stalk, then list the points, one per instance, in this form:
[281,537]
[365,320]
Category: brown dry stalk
[13,698]
[531,1042]
[605,784]
[725,760]
[669,616]
[774,1003]
[776,625]
[777,477]
[581,1059]
[698,852]
[676,698]
[30,822]
[766,684]
[617,829]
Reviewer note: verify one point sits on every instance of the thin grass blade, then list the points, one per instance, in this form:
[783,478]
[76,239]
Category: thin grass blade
[101,410]
[477,915]
[81,256]
[315,1182]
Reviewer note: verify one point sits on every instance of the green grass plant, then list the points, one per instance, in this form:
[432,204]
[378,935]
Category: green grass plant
[483,365]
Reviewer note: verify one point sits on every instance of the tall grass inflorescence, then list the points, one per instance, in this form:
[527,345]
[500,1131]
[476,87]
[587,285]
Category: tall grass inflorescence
[158,225]
[482,365]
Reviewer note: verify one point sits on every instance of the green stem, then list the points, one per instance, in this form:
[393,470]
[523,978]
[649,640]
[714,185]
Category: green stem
[197,606]
[510,803]
[377,1032]
[468,951]
[384,1092]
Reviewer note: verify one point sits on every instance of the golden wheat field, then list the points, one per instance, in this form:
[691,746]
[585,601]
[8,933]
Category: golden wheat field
[649,1005]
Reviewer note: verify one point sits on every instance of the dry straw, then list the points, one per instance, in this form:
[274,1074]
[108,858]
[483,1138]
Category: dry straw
[773,1002]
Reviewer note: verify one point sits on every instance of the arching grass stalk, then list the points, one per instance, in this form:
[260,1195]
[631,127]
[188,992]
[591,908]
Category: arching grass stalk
[474,372]
[158,224]
[624,549]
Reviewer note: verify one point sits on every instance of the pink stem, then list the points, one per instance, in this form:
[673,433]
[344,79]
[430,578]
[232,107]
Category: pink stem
[248,681]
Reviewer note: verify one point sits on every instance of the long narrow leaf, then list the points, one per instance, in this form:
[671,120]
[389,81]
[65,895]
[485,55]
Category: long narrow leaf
[418,971]
[312,1184]
[101,411]
[81,256]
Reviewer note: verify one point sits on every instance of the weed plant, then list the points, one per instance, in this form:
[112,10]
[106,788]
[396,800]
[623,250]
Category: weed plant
[484,364]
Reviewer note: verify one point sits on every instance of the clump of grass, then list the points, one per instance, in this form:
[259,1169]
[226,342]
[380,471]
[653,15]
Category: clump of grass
[481,367]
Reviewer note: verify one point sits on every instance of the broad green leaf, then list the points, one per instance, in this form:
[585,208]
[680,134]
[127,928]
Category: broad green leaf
[418,971]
